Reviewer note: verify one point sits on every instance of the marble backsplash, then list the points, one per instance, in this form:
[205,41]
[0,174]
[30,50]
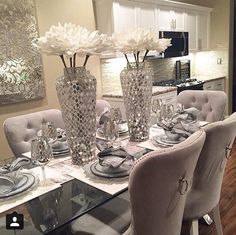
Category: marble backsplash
[202,64]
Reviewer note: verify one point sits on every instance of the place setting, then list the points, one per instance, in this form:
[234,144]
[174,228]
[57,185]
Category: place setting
[177,124]
[113,163]
[120,124]
[56,138]
[13,180]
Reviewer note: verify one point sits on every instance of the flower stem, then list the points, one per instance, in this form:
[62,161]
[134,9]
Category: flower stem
[71,62]
[145,55]
[126,57]
[74,59]
[86,60]
[138,57]
[135,58]
[63,60]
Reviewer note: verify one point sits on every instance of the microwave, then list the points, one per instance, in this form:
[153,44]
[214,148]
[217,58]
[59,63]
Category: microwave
[179,41]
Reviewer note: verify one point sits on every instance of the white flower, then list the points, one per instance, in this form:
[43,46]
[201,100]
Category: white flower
[60,39]
[69,39]
[138,40]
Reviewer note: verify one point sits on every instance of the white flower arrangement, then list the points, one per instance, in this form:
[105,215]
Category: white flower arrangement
[72,40]
[139,40]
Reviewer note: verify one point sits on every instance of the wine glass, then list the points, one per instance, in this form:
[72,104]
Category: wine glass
[41,153]
[169,111]
[156,108]
[116,115]
[49,131]
[110,131]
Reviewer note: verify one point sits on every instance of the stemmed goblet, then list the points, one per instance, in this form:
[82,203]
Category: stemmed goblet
[41,153]
[49,131]
[156,108]
[110,131]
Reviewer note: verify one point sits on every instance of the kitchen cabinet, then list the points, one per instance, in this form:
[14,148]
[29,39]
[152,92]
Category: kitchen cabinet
[170,19]
[118,15]
[216,84]
[124,15]
[147,16]
[203,30]
[191,27]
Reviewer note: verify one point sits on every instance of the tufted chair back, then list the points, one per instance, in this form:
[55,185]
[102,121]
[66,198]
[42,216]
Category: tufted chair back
[158,186]
[20,130]
[211,104]
[204,195]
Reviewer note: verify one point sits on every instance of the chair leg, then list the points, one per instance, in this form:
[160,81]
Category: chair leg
[194,227]
[217,220]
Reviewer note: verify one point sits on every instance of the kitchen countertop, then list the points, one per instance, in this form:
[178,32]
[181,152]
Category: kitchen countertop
[208,78]
[156,90]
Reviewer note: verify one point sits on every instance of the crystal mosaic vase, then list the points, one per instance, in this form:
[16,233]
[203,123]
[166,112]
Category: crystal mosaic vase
[136,83]
[76,92]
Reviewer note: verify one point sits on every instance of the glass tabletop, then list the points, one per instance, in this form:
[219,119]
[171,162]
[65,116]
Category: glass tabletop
[57,208]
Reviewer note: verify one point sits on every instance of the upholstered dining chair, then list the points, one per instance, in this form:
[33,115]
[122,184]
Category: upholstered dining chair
[211,104]
[158,186]
[204,194]
[20,130]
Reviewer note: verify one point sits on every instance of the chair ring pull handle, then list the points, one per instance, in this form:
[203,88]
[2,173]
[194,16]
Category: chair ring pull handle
[183,186]
[227,150]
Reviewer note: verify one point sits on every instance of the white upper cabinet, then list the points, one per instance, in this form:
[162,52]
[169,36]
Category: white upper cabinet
[170,19]
[191,27]
[124,15]
[119,15]
[203,25]
[147,16]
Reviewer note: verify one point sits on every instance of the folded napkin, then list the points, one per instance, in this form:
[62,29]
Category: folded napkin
[114,157]
[182,124]
[15,165]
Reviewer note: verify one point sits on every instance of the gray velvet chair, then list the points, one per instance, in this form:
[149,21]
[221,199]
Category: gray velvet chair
[158,186]
[211,104]
[20,130]
[204,195]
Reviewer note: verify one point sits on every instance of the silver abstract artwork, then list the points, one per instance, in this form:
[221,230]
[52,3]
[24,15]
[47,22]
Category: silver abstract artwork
[20,62]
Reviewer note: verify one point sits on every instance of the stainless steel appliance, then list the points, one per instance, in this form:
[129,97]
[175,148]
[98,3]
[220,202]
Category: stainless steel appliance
[181,84]
[182,69]
[179,41]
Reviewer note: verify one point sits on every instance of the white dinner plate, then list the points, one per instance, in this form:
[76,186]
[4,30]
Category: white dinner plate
[24,181]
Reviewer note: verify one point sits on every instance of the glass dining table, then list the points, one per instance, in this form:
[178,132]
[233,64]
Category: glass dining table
[54,211]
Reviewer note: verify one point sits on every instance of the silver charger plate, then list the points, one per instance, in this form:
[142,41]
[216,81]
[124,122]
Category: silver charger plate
[164,141]
[24,182]
[111,172]
[61,153]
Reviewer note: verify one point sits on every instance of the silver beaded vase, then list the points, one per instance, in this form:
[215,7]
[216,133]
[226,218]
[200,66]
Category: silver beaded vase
[136,83]
[76,92]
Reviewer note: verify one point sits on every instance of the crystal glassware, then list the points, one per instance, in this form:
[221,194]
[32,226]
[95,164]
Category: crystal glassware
[49,131]
[41,153]
[110,131]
